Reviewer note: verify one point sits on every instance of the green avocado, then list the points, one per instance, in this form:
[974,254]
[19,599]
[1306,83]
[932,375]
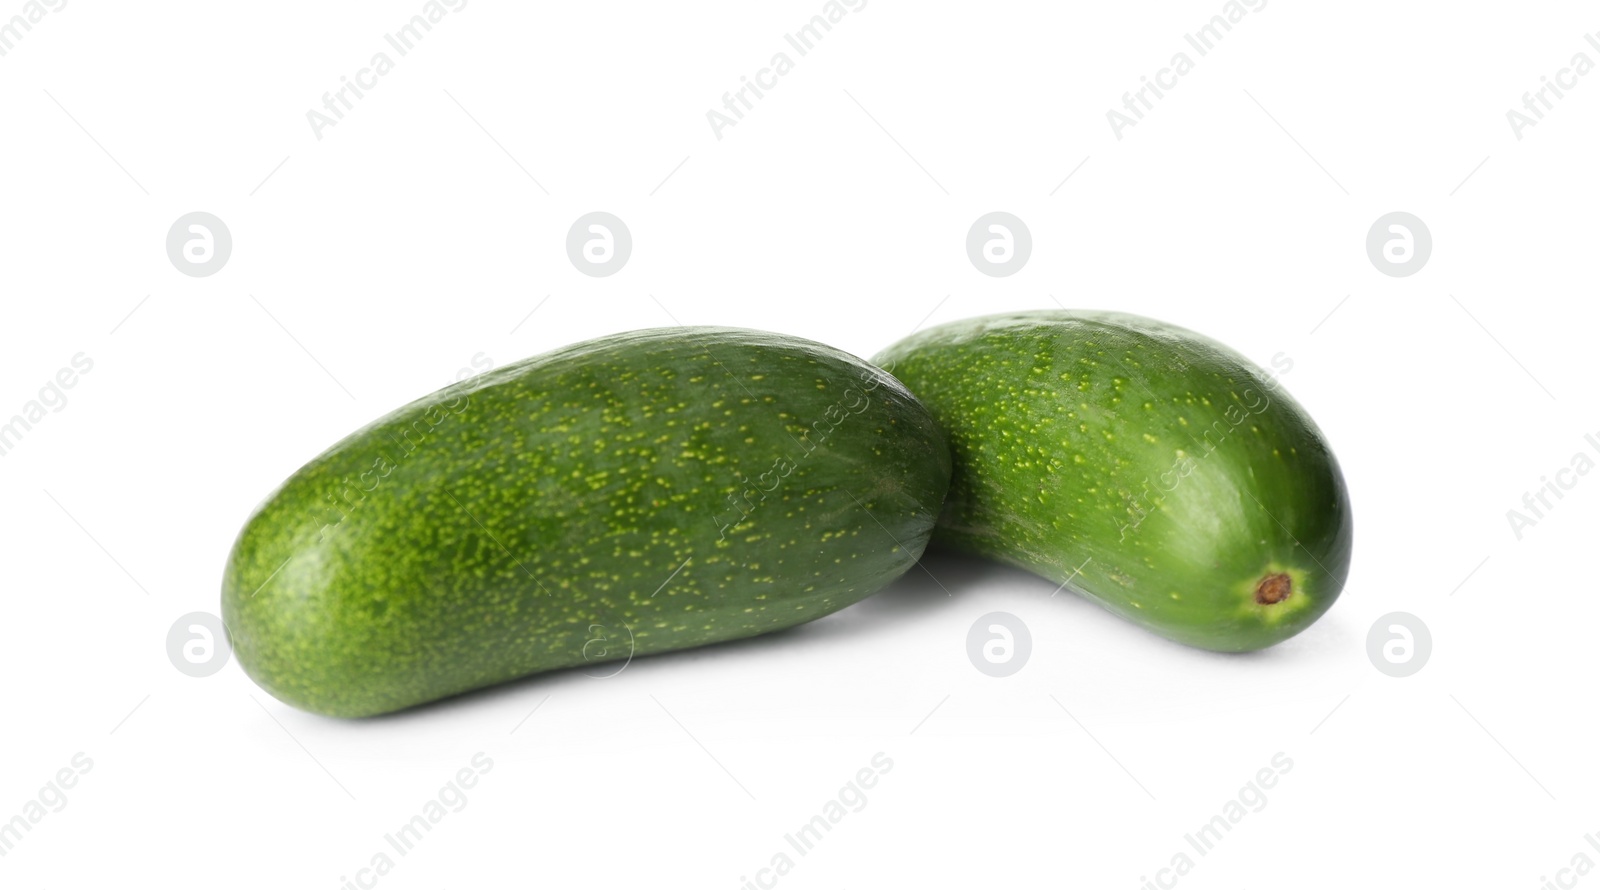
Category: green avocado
[1151,469]
[635,494]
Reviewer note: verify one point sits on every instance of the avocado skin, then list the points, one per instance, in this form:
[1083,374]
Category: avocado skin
[640,493]
[1149,468]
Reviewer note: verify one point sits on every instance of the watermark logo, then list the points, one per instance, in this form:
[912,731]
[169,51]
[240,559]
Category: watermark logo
[198,645]
[52,798]
[352,490]
[1577,867]
[1399,644]
[1538,503]
[1399,244]
[851,798]
[352,90]
[599,244]
[1252,798]
[607,644]
[1248,404]
[998,644]
[1536,102]
[199,244]
[999,244]
[52,399]
[33,12]
[451,798]
[750,494]
[1203,40]
[753,89]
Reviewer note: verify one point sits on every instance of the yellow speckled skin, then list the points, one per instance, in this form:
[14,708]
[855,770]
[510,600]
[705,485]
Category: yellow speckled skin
[1147,467]
[639,493]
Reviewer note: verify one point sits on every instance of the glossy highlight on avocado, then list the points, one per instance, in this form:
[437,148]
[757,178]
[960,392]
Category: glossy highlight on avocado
[639,493]
[1143,465]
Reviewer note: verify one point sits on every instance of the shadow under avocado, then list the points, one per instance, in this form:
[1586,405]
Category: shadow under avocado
[934,586]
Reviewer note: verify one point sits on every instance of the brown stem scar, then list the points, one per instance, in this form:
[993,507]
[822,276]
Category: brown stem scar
[1274,589]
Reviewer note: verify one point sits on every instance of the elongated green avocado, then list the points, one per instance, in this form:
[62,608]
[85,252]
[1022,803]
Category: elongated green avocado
[639,493]
[1143,465]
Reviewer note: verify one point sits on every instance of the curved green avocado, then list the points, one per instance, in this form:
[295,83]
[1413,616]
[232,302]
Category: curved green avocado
[1151,469]
[639,493]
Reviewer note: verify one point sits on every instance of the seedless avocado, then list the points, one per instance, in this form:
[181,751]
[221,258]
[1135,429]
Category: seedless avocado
[1153,470]
[640,493]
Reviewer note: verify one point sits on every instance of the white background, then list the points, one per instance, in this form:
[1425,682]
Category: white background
[424,227]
